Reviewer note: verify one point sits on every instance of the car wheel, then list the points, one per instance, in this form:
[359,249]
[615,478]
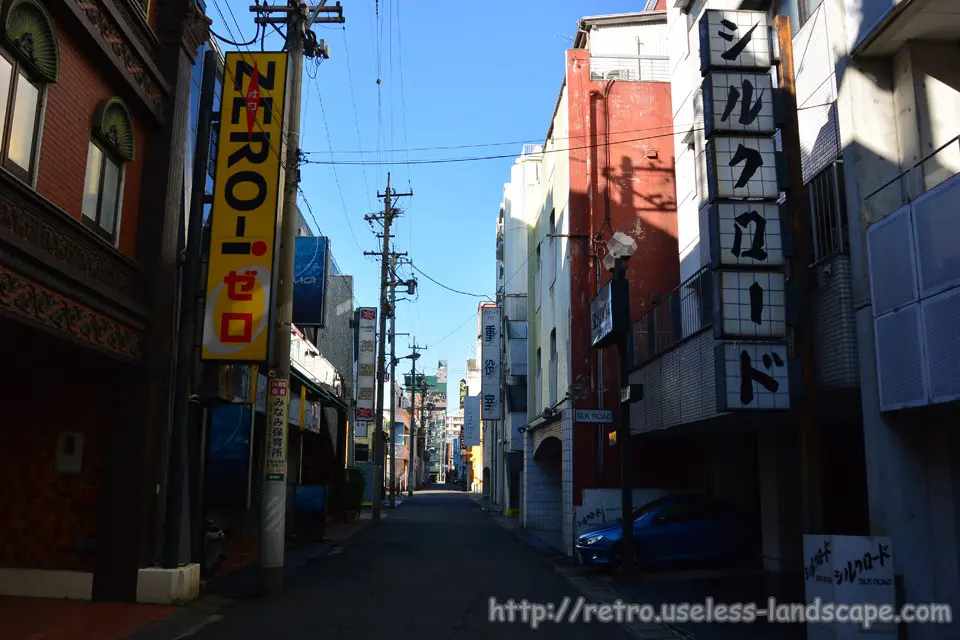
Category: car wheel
[615,556]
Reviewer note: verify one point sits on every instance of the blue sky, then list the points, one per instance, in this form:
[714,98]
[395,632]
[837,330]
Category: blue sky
[452,73]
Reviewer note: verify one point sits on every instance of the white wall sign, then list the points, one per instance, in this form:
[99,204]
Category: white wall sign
[361,429]
[594,416]
[750,304]
[471,421]
[849,570]
[366,364]
[752,375]
[747,234]
[738,103]
[734,40]
[742,167]
[490,364]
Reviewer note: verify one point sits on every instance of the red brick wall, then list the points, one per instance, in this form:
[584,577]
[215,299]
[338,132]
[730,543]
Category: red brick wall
[642,203]
[43,514]
[68,122]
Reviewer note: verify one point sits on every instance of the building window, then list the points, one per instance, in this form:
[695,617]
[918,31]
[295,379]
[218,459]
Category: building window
[111,146]
[799,11]
[29,61]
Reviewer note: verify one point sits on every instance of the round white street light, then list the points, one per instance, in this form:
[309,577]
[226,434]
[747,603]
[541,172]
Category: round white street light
[621,245]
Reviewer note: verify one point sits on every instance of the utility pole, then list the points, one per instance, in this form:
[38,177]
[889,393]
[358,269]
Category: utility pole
[411,445]
[388,215]
[799,273]
[393,375]
[274,494]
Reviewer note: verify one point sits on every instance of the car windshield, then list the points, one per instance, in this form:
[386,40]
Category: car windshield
[650,506]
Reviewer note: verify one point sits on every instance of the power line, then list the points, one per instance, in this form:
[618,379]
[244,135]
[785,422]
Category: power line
[356,121]
[472,316]
[439,284]
[503,156]
[336,177]
[540,140]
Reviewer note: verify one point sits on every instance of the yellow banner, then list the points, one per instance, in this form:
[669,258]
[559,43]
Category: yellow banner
[246,197]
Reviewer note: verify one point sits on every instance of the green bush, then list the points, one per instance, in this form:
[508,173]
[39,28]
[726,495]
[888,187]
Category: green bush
[355,483]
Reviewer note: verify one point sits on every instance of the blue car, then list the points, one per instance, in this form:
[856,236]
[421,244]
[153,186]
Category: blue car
[674,528]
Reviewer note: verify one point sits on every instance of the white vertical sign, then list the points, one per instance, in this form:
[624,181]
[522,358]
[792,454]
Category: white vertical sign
[490,364]
[471,421]
[366,370]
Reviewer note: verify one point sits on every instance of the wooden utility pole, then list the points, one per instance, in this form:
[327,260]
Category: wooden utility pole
[387,219]
[799,274]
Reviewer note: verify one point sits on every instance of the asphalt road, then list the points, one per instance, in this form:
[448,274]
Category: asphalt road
[426,571]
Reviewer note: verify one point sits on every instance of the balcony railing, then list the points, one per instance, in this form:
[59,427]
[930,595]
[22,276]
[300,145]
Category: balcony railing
[682,313]
[630,68]
[913,182]
[828,212]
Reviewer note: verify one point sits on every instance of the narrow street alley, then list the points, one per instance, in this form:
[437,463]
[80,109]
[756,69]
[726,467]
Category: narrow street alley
[426,571]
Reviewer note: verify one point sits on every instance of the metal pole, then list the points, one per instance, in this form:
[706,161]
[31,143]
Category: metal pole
[381,355]
[799,273]
[172,554]
[412,440]
[274,499]
[393,382]
[626,450]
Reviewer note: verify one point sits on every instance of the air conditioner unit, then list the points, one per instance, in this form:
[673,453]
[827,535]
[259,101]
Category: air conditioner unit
[683,5]
[616,74]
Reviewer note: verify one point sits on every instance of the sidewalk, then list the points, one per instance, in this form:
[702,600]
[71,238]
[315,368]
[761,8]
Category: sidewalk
[55,619]
[240,583]
[51,619]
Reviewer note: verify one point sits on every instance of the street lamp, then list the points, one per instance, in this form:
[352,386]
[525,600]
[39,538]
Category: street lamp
[609,323]
[621,247]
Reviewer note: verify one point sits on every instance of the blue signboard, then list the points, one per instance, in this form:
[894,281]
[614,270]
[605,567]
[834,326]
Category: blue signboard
[228,462]
[309,281]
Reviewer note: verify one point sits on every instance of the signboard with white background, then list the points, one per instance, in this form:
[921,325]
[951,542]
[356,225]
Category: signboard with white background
[490,364]
[366,370]
[753,375]
[849,570]
[745,234]
[744,185]
[471,421]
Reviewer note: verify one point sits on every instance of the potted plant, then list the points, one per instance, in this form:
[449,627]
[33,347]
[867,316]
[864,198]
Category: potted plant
[355,484]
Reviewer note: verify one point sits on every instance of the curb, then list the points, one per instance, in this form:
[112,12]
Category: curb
[591,589]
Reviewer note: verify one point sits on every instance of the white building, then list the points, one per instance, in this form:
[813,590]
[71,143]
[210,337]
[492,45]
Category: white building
[518,215]
[878,91]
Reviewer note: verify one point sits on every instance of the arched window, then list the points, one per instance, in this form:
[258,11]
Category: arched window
[112,144]
[29,59]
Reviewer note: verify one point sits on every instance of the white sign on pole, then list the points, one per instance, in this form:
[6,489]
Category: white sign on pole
[752,375]
[849,570]
[745,235]
[752,304]
[471,421]
[738,103]
[490,364]
[366,368]
[734,40]
[742,167]
[594,416]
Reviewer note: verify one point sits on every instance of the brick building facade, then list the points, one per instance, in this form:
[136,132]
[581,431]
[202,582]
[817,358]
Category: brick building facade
[93,101]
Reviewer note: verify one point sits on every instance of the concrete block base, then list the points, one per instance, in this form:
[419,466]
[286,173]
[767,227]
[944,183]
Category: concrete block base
[37,583]
[168,586]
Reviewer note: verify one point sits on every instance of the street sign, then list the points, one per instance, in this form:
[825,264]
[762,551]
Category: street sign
[609,314]
[594,416]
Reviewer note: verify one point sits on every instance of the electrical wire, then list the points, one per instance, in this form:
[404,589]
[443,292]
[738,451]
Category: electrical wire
[336,177]
[540,140]
[356,121]
[472,316]
[440,284]
[501,156]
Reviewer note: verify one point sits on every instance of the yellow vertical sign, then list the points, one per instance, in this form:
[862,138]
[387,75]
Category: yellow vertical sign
[246,198]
